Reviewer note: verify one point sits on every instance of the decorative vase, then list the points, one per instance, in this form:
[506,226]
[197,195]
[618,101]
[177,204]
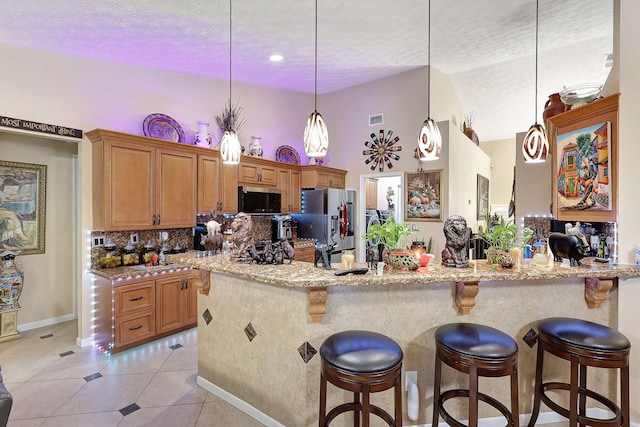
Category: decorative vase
[402,260]
[255,149]
[470,133]
[11,278]
[499,257]
[203,138]
[553,107]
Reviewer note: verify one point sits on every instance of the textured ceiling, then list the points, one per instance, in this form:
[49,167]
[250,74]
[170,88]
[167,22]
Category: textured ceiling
[486,46]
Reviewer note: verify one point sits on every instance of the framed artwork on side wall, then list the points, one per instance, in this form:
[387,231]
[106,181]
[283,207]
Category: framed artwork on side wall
[22,207]
[584,148]
[482,197]
[424,197]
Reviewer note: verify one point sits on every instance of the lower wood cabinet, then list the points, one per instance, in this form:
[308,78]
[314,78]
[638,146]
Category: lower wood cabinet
[134,311]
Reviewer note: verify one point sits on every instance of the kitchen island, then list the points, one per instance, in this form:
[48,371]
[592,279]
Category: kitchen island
[260,327]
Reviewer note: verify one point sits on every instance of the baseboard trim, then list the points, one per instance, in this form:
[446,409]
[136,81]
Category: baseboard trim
[46,322]
[238,403]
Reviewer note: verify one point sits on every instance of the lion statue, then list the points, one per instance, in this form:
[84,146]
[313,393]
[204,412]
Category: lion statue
[241,226]
[456,249]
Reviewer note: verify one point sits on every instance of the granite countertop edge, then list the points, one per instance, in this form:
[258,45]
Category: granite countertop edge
[300,274]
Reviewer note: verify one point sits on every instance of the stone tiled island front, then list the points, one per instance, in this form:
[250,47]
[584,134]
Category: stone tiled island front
[259,327]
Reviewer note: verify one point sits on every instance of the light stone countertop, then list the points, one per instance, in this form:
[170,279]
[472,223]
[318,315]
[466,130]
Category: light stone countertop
[305,275]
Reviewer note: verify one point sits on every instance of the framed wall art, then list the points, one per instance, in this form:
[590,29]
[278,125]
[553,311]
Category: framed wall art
[22,207]
[584,148]
[424,197]
[482,197]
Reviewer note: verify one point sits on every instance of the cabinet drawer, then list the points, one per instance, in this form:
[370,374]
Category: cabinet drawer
[134,297]
[135,327]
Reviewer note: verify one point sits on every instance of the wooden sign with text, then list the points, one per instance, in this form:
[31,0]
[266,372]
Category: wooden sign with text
[40,127]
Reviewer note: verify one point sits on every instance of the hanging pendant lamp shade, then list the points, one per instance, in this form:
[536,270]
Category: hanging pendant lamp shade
[316,136]
[535,145]
[429,139]
[230,148]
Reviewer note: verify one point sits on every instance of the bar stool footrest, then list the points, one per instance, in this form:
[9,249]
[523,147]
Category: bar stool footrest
[357,406]
[450,394]
[582,419]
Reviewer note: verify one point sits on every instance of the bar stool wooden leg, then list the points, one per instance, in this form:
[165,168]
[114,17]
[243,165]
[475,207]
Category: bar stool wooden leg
[624,396]
[323,401]
[473,396]
[436,392]
[398,403]
[514,399]
[573,397]
[365,406]
[538,385]
[582,404]
[356,413]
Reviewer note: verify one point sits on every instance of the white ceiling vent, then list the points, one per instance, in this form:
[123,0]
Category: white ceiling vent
[375,120]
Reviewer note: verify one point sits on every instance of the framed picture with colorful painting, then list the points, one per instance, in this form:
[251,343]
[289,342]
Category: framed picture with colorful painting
[424,197]
[584,151]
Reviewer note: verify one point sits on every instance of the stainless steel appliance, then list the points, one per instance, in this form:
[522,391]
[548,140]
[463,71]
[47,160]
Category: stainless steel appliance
[257,200]
[282,226]
[328,216]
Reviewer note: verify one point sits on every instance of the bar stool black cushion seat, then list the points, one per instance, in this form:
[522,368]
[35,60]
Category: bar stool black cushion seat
[476,341]
[583,334]
[361,351]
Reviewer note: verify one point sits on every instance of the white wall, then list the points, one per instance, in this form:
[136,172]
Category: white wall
[533,185]
[503,154]
[49,278]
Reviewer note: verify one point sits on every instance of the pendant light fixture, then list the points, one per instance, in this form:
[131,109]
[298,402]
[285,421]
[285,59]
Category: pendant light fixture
[429,140]
[230,148]
[535,145]
[316,137]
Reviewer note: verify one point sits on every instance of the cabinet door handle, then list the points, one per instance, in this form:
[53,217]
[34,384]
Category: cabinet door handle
[136,298]
[135,327]
[181,284]
[186,284]
[154,219]
[158,219]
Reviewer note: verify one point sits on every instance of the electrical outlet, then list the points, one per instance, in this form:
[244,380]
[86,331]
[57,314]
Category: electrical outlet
[164,236]
[410,377]
[415,227]
[97,241]
[134,238]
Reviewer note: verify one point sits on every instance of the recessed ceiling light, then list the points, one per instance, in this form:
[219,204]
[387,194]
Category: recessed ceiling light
[276,58]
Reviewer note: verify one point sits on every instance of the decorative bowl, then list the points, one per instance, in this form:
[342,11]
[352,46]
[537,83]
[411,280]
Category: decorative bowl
[581,94]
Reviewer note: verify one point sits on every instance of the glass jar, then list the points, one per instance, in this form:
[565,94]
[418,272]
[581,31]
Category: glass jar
[149,252]
[130,256]
[111,258]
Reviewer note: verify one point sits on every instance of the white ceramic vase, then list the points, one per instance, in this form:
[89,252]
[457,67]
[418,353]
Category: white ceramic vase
[255,150]
[203,138]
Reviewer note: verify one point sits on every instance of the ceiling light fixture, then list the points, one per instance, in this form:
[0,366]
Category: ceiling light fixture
[316,137]
[230,148]
[276,57]
[429,140]
[535,145]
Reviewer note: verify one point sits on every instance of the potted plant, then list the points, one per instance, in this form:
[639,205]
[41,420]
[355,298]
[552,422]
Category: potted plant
[501,237]
[391,235]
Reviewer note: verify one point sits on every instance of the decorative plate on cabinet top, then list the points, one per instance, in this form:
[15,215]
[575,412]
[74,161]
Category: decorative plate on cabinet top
[287,154]
[161,126]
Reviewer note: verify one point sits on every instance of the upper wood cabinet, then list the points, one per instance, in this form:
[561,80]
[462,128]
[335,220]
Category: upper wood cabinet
[289,185]
[253,170]
[315,176]
[217,189]
[141,183]
[371,193]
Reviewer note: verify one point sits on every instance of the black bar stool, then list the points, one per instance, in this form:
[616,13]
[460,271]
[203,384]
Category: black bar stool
[584,344]
[480,351]
[362,362]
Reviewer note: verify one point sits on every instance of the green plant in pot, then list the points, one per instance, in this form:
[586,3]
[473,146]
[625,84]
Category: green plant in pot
[392,235]
[501,237]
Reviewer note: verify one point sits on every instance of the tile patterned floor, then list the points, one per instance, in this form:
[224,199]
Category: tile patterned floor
[56,383]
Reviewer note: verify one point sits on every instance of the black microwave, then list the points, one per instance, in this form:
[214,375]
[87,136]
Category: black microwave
[256,200]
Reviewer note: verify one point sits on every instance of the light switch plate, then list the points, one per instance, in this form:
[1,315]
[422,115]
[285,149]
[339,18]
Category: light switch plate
[97,241]
[134,238]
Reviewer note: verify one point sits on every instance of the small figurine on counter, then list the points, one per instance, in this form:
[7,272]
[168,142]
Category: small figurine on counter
[287,249]
[456,250]
[242,227]
[212,242]
[566,246]
[323,252]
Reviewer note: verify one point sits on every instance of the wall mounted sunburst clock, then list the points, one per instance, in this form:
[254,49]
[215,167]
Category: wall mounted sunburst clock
[382,149]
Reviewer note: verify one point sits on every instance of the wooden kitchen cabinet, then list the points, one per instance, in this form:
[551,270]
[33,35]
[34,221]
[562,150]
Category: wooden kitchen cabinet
[314,176]
[289,185]
[133,311]
[176,303]
[253,170]
[217,185]
[141,183]
[371,193]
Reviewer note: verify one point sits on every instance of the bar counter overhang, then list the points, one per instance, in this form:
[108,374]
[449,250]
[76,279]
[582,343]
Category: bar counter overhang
[259,326]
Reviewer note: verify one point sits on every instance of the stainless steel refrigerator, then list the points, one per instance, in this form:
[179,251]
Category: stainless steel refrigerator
[328,216]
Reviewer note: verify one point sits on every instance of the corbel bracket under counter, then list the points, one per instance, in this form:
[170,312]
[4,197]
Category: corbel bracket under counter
[317,303]
[596,290]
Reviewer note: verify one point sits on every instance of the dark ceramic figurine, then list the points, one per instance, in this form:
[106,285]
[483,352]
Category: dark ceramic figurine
[323,252]
[456,249]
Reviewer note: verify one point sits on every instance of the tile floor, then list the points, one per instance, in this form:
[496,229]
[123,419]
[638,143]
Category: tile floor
[56,383]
